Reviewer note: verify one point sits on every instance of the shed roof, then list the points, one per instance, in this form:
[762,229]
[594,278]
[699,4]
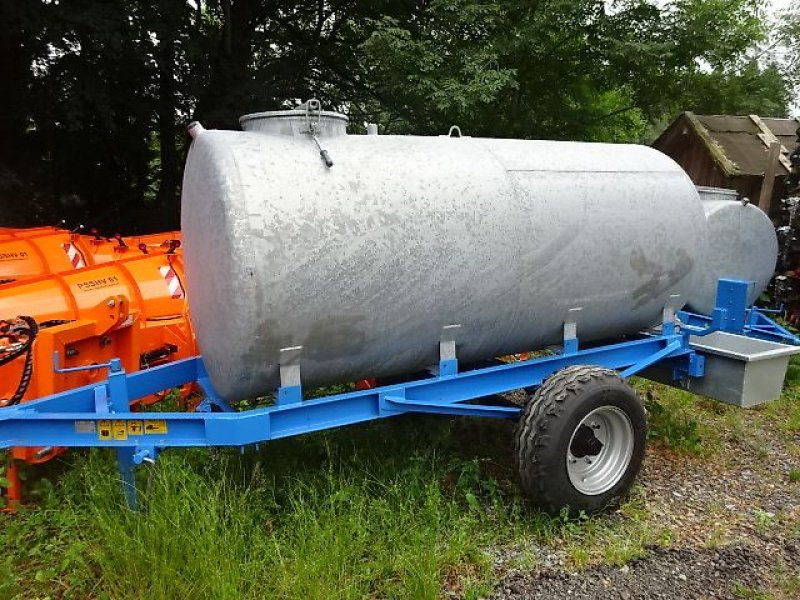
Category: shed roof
[739,144]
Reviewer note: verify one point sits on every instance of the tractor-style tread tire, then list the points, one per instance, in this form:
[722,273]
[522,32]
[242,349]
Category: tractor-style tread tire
[546,426]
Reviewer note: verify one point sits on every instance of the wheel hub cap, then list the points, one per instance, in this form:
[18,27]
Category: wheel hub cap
[600,450]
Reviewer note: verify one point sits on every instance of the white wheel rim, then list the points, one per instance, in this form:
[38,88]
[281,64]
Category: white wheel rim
[600,450]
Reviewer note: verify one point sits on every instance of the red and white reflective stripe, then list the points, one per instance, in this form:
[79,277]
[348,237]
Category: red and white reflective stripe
[74,256]
[173,283]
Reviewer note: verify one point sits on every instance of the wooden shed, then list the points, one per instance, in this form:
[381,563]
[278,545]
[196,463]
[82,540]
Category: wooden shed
[747,153]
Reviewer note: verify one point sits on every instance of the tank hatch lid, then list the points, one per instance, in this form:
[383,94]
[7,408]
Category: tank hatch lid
[296,121]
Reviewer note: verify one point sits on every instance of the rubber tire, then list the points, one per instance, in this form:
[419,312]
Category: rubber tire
[545,429]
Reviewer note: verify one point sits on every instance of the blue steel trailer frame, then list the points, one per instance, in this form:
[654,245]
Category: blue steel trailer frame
[100,415]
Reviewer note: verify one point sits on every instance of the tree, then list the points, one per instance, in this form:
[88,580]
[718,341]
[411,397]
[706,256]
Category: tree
[99,91]
[789,40]
[564,69]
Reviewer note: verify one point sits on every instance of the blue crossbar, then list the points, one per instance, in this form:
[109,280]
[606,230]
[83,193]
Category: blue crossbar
[72,418]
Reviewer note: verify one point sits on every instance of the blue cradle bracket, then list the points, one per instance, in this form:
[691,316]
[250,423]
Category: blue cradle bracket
[291,390]
[72,418]
[570,332]
[731,314]
[448,359]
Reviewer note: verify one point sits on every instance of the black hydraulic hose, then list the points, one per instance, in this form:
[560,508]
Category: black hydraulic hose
[32,330]
[24,381]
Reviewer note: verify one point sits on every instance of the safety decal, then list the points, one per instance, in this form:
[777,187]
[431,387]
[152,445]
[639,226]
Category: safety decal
[135,427]
[155,427]
[173,282]
[104,430]
[120,430]
[74,255]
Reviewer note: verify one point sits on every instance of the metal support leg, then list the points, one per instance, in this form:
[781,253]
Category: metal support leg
[14,488]
[291,390]
[119,403]
[127,472]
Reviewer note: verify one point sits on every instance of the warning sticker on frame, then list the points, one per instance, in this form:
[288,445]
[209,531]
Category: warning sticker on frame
[135,427]
[120,430]
[104,430]
[155,427]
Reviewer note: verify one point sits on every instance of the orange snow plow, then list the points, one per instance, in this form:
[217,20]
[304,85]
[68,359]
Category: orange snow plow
[134,309]
[44,251]
[8,233]
[54,328]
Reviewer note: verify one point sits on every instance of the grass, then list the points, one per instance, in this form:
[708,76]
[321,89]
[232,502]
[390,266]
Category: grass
[408,508]
[326,516]
[744,592]
[679,421]
[401,509]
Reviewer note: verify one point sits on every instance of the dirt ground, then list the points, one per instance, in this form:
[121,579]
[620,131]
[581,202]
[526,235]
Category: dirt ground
[730,523]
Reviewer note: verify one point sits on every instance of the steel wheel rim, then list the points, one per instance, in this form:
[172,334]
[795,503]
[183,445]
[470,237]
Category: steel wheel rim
[592,471]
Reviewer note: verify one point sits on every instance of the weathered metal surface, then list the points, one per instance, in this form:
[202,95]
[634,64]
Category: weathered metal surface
[741,245]
[295,122]
[364,264]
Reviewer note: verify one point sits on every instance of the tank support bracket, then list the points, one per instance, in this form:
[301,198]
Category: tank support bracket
[291,390]
[571,330]
[448,361]
[668,314]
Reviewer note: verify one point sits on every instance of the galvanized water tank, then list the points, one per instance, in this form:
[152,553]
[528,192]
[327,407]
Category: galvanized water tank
[741,245]
[364,263]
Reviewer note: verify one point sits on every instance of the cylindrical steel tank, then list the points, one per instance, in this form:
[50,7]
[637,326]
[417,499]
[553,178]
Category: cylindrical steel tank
[364,263]
[741,245]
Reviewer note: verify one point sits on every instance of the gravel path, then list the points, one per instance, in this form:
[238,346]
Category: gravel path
[733,520]
[667,574]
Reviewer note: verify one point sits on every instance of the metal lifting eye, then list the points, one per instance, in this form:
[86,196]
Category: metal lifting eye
[313,106]
[455,132]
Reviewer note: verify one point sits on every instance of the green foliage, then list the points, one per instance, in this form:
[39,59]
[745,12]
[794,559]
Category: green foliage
[320,517]
[564,69]
[97,91]
[788,42]
[405,509]
[670,423]
[751,89]
[445,62]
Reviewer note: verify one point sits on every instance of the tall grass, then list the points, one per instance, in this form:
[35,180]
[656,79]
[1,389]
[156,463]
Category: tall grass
[408,508]
[383,510]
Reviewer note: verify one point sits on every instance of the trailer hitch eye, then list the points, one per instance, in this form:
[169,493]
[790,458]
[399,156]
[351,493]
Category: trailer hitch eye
[585,443]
